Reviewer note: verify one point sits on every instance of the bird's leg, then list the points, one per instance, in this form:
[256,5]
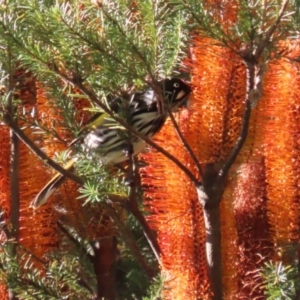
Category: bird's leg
[130,175]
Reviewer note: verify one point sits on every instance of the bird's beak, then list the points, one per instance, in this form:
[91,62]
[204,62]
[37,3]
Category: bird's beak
[181,95]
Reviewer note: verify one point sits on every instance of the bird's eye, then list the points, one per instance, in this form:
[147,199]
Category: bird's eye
[176,85]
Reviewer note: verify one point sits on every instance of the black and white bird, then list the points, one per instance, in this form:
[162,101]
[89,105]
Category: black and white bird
[145,111]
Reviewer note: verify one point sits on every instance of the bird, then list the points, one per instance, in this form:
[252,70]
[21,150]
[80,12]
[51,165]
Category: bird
[145,111]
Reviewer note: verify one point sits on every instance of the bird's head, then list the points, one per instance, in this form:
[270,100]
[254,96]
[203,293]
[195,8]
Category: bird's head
[175,92]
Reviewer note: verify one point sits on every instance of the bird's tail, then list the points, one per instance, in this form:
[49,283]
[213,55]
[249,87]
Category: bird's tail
[56,181]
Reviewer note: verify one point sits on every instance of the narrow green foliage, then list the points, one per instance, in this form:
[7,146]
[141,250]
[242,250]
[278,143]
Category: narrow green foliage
[280,282]
[154,291]
[250,26]
[111,48]
[99,180]
[97,191]
[62,278]
[109,45]
[132,282]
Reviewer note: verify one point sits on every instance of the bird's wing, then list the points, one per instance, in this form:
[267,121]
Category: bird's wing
[52,185]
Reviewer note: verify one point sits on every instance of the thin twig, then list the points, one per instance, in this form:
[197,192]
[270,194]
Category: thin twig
[185,143]
[148,232]
[14,158]
[132,207]
[32,125]
[36,150]
[32,255]
[250,67]
[14,183]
